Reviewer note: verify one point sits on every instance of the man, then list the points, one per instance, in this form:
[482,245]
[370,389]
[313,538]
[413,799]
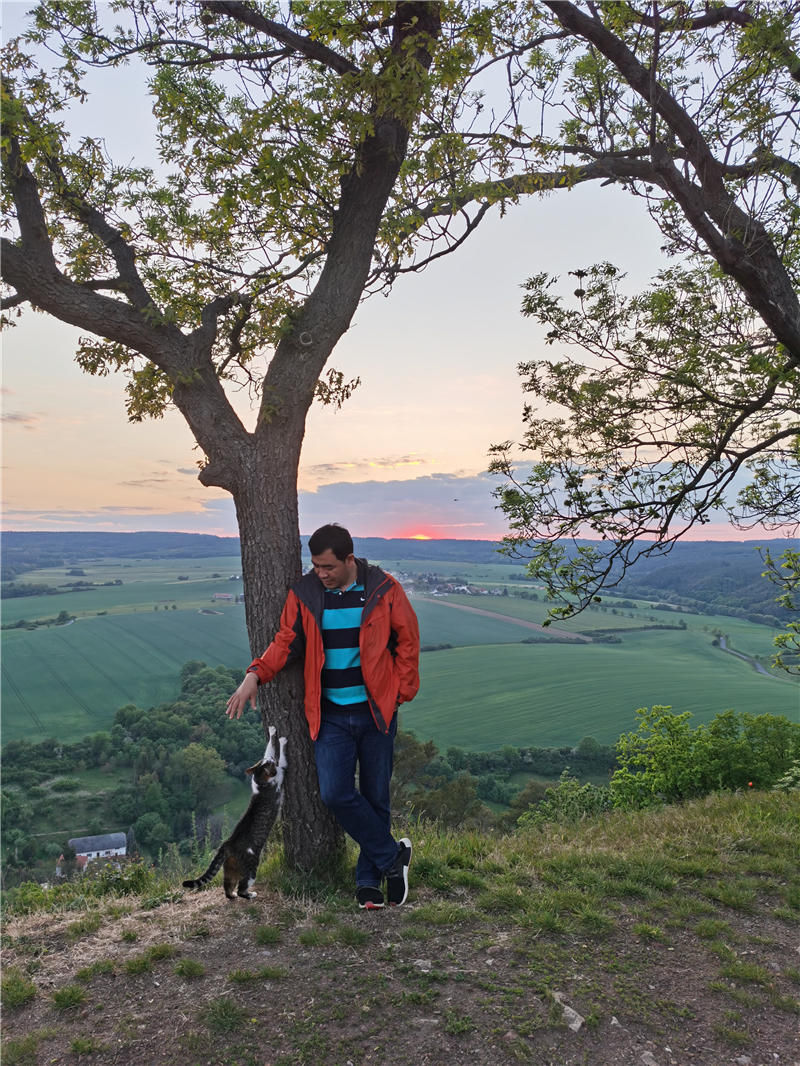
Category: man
[359,638]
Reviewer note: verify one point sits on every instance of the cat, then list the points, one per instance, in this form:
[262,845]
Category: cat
[239,855]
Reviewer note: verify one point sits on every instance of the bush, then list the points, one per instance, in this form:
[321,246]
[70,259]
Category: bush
[569,801]
[666,760]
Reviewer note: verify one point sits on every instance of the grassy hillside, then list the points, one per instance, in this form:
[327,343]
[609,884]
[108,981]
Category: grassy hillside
[672,932]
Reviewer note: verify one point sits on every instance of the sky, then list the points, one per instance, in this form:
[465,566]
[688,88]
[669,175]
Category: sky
[407,454]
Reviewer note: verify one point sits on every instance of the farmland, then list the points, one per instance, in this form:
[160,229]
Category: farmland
[128,643]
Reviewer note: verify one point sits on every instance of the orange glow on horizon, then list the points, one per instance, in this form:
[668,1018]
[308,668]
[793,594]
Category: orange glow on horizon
[420,536]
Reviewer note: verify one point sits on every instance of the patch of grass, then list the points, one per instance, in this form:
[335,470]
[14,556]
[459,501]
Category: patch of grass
[138,964]
[648,932]
[786,914]
[787,1003]
[735,1037]
[15,989]
[504,898]
[352,937]
[88,972]
[791,894]
[189,968]
[792,974]
[433,872]
[313,938]
[223,1015]
[273,973]
[741,995]
[440,913]
[86,1045]
[118,910]
[326,918]
[745,971]
[594,921]
[712,929]
[468,879]
[129,935]
[69,997]
[268,934]
[161,951]
[21,1051]
[90,923]
[721,949]
[690,906]
[199,932]
[736,896]
[457,1023]
[242,977]
[548,920]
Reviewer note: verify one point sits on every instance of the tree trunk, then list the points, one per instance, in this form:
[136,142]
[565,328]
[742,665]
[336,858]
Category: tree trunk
[266,509]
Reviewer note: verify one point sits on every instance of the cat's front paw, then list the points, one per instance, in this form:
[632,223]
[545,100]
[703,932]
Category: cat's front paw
[272,730]
[282,740]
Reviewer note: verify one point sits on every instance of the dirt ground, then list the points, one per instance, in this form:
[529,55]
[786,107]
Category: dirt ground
[288,983]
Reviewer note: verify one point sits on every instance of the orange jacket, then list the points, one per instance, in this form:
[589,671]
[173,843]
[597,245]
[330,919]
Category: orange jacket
[388,642]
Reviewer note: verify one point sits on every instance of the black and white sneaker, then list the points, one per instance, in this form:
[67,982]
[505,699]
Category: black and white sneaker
[369,898]
[397,876]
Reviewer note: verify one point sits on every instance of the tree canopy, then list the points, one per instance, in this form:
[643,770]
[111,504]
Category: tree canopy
[682,401]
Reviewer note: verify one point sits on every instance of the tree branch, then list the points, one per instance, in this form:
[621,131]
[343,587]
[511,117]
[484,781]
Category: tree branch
[311,49]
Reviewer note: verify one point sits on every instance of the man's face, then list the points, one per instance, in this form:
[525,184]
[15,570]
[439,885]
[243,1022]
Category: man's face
[334,573]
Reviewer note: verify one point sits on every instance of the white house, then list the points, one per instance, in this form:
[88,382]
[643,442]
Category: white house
[102,847]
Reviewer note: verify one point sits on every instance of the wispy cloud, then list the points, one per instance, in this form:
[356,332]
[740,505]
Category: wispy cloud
[19,418]
[321,471]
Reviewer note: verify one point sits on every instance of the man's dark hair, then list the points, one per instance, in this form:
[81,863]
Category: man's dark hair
[332,536]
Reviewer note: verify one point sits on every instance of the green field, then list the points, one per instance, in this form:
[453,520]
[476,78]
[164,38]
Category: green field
[481,698]
[70,680]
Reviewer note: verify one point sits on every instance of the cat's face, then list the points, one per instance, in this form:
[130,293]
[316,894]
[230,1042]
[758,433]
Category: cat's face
[263,772]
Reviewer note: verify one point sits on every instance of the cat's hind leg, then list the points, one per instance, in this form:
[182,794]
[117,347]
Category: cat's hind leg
[245,889]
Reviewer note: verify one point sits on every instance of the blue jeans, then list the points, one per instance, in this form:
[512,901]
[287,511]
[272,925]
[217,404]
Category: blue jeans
[363,812]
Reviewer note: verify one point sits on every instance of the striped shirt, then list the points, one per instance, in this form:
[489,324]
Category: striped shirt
[342,680]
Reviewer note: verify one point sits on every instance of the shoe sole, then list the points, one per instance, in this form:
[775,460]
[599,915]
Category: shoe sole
[372,906]
[407,843]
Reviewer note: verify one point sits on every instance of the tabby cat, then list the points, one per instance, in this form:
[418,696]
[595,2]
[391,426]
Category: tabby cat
[241,852]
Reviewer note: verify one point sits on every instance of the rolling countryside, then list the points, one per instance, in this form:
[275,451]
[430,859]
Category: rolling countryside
[129,641]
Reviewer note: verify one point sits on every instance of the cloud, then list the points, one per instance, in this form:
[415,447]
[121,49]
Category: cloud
[194,471]
[322,471]
[436,505]
[6,391]
[18,418]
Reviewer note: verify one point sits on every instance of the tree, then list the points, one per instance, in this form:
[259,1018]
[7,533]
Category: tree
[681,390]
[204,769]
[304,164]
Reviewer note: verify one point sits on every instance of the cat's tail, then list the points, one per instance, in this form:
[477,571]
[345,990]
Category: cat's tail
[203,879]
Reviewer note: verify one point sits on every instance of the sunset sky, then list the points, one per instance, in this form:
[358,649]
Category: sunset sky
[406,456]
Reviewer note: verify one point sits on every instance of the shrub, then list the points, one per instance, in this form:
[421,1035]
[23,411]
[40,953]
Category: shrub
[665,760]
[570,801]
[66,784]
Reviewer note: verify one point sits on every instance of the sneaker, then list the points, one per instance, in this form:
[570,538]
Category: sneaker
[369,898]
[397,876]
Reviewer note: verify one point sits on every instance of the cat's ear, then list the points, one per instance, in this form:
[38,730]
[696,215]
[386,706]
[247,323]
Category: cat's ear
[252,769]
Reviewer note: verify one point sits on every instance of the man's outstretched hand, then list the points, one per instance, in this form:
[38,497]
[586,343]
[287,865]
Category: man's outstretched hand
[246,691]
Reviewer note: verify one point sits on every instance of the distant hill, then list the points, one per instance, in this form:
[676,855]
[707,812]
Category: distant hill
[725,575]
